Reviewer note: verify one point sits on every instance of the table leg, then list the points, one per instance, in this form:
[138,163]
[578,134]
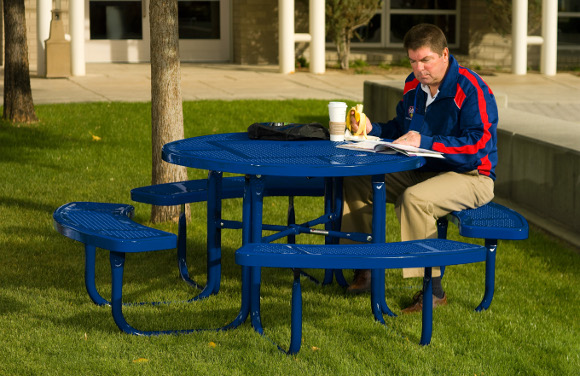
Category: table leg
[257,204]
[252,214]
[291,219]
[328,206]
[379,236]
[214,239]
[333,208]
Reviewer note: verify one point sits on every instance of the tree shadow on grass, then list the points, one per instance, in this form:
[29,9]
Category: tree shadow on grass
[11,305]
[22,144]
[34,205]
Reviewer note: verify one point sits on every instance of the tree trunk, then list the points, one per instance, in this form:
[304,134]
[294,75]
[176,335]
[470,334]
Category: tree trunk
[166,103]
[18,104]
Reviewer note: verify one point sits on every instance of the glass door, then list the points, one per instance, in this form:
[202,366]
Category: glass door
[117,31]
[204,30]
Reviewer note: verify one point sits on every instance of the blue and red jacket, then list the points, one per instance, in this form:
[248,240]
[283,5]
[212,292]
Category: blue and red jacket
[461,122]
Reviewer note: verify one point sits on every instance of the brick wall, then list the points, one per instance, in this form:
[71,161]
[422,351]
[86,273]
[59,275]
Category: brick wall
[255,31]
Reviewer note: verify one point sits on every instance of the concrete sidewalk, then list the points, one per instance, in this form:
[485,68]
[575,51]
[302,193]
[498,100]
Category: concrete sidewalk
[132,82]
[557,96]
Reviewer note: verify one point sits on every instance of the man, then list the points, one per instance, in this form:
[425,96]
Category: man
[447,108]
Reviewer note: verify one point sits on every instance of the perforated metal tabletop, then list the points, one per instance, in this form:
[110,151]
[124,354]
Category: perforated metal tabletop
[236,153]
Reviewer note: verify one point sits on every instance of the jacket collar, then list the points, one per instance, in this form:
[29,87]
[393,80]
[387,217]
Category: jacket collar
[448,85]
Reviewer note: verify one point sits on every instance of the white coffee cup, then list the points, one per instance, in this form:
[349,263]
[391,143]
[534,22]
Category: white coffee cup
[337,125]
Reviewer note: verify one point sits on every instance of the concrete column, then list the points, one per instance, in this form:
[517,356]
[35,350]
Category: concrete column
[43,17]
[286,35]
[77,33]
[519,37]
[317,23]
[549,57]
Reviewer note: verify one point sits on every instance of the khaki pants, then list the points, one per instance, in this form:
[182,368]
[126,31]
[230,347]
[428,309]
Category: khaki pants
[420,198]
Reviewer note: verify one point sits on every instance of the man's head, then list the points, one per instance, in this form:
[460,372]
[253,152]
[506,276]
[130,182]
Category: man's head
[426,47]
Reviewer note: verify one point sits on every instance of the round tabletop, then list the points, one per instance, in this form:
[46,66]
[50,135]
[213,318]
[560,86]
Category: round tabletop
[236,153]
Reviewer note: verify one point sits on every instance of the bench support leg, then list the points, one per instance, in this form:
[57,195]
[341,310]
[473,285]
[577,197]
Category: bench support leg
[296,315]
[255,280]
[117,260]
[252,294]
[90,257]
[117,265]
[427,319]
[491,245]
[245,306]
[181,249]
[377,295]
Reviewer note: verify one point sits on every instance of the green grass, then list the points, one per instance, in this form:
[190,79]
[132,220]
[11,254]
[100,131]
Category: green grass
[48,326]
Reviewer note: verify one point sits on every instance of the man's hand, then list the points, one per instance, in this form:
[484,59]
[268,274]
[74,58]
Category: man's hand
[410,138]
[354,125]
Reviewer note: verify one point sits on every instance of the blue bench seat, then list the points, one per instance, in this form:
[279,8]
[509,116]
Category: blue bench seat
[376,256]
[110,227]
[491,222]
[191,191]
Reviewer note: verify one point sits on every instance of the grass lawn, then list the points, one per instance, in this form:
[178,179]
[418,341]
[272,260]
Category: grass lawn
[49,326]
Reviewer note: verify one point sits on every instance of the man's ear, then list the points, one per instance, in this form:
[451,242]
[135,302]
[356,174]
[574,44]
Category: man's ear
[445,54]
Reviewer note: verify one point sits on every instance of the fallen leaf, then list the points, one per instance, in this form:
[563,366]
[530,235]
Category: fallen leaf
[95,138]
[212,345]
[86,337]
[314,348]
[140,360]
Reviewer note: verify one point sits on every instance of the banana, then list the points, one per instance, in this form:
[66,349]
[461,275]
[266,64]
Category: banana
[361,119]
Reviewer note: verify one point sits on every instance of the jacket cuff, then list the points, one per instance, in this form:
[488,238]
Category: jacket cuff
[376,131]
[426,142]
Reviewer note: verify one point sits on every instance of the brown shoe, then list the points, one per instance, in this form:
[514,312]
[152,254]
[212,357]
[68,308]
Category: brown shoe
[361,282]
[417,304]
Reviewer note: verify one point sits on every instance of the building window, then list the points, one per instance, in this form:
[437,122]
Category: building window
[569,24]
[389,25]
[199,19]
[115,19]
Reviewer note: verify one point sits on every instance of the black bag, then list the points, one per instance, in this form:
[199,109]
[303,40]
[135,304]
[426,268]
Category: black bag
[288,131]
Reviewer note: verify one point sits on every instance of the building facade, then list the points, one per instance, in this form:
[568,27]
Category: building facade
[246,31]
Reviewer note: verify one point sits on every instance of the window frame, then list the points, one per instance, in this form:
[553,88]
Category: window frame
[568,47]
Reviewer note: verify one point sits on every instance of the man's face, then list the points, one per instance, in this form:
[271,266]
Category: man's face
[429,67]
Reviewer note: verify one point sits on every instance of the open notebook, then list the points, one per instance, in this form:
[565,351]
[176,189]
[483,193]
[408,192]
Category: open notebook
[380,146]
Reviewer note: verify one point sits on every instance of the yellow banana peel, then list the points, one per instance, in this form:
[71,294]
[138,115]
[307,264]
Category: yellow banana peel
[361,119]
